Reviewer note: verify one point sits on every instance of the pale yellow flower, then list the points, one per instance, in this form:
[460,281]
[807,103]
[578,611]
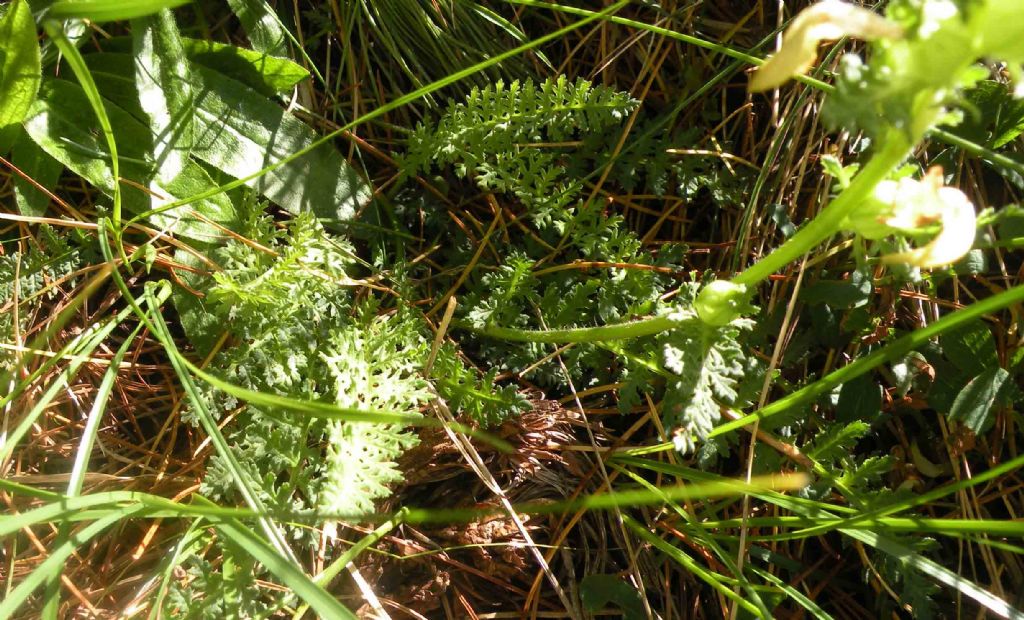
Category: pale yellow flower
[826,21]
[912,204]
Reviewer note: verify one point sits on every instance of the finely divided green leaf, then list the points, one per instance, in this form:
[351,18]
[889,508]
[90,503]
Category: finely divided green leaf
[109,10]
[837,441]
[974,404]
[20,70]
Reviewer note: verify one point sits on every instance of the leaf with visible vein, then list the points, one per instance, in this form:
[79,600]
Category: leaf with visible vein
[261,23]
[240,132]
[162,77]
[20,70]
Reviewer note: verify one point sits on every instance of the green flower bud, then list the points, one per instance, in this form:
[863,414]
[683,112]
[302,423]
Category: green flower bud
[721,302]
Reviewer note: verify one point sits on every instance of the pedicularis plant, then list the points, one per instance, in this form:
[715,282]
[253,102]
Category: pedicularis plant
[188,140]
[921,56]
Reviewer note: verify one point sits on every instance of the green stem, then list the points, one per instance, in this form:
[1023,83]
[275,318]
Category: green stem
[896,147]
[618,331]
[888,353]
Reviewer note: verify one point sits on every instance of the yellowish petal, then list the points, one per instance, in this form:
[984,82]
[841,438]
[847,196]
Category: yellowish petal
[825,21]
[956,213]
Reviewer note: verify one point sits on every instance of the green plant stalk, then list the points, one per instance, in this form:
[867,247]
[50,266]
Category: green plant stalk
[81,71]
[950,527]
[351,554]
[96,505]
[182,549]
[883,543]
[684,559]
[793,593]
[39,342]
[81,465]
[53,564]
[700,534]
[603,333]
[888,353]
[290,574]
[896,146]
[925,498]
[92,341]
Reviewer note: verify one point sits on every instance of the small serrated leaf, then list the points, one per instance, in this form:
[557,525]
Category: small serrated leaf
[974,404]
[837,441]
[859,399]
[971,348]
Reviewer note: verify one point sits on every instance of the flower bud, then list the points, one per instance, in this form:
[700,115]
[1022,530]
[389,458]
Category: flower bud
[721,302]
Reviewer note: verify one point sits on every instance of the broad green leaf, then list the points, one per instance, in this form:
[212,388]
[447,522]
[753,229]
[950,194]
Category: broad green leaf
[20,70]
[109,10]
[778,214]
[260,71]
[974,404]
[162,78]
[70,52]
[1010,222]
[264,27]
[240,132]
[851,293]
[859,399]
[200,323]
[970,348]
[62,123]
[948,382]
[596,591]
[43,169]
